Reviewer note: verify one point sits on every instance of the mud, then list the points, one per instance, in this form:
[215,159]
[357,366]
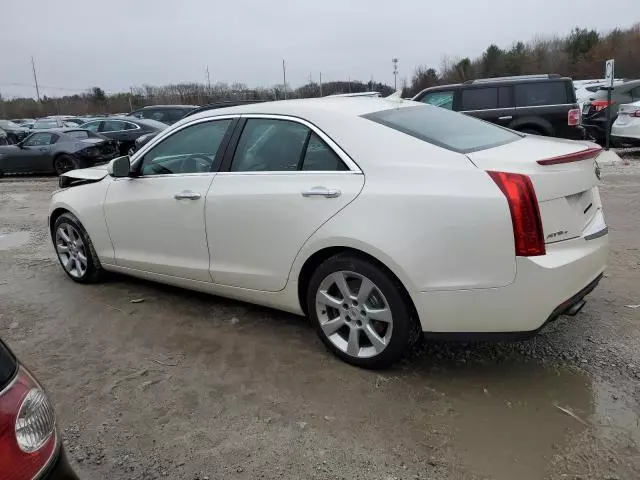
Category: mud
[184,385]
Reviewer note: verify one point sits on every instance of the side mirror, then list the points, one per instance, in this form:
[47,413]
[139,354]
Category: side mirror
[119,167]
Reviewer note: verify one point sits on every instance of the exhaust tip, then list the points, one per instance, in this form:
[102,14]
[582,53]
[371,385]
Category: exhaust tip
[575,308]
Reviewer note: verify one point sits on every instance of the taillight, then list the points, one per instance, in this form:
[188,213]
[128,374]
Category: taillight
[635,113]
[28,439]
[574,116]
[601,104]
[525,212]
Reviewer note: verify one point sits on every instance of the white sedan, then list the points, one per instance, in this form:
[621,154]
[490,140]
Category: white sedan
[378,218]
[626,128]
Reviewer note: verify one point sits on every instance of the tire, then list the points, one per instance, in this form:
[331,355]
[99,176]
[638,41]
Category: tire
[64,163]
[73,248]
[346,327]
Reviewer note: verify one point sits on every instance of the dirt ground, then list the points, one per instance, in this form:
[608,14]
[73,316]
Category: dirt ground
[188,386]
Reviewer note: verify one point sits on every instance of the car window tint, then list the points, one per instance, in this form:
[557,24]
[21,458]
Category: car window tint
[450,130]
[193,149]
[112,126]
[479,98]
[41,139]
[268,145]
[439,99]
[318,156]
[91,126]
[504,97]
[541,93]
[130,126]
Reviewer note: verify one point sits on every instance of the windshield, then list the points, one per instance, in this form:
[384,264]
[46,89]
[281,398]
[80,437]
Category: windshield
[8,124]
[444,128]
[46,123]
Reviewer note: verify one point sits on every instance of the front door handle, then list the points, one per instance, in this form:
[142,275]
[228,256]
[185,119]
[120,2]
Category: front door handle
[187,195]
[321,192]
[507,117]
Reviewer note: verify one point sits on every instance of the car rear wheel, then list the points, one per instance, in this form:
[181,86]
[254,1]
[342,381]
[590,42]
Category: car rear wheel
[359,312]
[64,163]
[75,250]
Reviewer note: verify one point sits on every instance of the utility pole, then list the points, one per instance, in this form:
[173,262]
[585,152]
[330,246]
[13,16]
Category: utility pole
[320,83]
[371,86]
[349,84]
[35,78]
[394,61]
[284,79]
[208,80]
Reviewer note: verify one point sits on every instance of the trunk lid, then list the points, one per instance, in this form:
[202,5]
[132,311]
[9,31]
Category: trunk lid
[565,183]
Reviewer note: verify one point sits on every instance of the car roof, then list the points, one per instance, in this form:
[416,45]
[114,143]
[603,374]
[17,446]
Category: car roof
[168,106]
[497,81]
[352,106]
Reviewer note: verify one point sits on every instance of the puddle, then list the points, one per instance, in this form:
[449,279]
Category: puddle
[13,239]
[510,423]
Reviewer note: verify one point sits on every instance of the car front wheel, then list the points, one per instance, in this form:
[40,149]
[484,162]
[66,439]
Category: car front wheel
[75,250]
[360,313]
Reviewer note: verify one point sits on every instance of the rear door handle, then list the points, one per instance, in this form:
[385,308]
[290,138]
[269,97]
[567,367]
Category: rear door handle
[508,117]
[321,192]
[187,195]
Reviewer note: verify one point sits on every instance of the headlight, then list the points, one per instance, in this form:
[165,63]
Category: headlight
[36,421]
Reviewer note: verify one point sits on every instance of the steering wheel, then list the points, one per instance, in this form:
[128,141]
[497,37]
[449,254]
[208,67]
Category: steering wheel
[205,161]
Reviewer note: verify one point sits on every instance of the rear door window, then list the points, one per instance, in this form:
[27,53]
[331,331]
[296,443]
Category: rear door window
[479,98]
[450,130]
[541,93]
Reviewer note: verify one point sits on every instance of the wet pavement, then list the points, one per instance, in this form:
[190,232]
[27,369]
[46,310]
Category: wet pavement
[185,385]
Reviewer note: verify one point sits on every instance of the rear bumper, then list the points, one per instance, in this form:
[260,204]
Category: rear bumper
[544,288]
[626,134]
[572,133]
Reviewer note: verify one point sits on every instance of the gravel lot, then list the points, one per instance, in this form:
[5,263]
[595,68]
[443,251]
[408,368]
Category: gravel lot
[187,386]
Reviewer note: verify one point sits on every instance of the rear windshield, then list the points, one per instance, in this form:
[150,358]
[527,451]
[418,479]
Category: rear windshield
[78,134]
[444,128]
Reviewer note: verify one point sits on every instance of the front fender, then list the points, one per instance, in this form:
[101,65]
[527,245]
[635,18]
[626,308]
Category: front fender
[86,202]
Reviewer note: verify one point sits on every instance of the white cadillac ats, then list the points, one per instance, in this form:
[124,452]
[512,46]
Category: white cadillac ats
[377,218]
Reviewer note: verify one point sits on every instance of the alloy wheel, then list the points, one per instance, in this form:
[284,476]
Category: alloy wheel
[71,250]
[354,314]
[63,164]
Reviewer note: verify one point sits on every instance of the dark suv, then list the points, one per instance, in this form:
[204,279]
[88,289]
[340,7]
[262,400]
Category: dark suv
[538,104]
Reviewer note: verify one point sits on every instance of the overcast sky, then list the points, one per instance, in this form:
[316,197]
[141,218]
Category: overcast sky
[116,44]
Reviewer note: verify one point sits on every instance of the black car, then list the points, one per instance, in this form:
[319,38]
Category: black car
[144,139]
[537,104]
[594,112]
[168,114]
[29,441]
[57,151]
[125,130]
[15,133]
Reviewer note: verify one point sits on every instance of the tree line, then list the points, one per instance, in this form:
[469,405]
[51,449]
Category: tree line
[580,55]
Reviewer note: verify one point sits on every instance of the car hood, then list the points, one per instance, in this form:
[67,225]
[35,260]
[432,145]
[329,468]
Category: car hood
[83,176]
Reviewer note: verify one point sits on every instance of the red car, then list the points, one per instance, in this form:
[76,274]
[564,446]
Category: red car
[30,447]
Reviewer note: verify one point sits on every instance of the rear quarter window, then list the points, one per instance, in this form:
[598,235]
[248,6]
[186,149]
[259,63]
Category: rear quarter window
[444,128]
[543,93]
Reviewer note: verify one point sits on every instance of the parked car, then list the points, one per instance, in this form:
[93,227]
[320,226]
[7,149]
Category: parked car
[23,122]
[125,130]
[76,121]
[56,151]
[15,133]
[586,88]
[168,114]
[3,137]
[626,128]
[535,104]
[51,122]
[29,441]
[594,112]
[144,139]
[458,222]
